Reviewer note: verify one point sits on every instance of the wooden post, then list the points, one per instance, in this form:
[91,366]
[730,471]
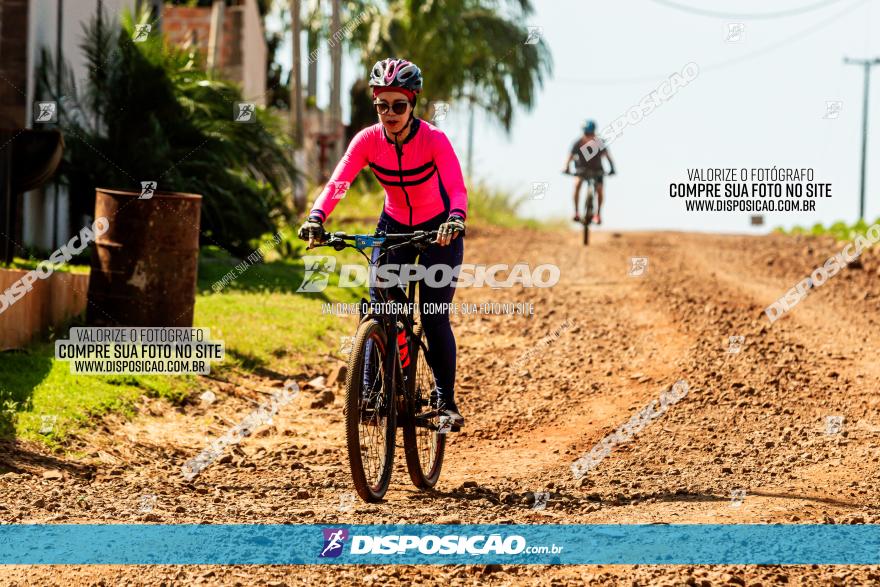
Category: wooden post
[215,38]
[336,79]
[296,105]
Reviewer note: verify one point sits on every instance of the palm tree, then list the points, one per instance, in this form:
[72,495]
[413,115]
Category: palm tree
[471,50]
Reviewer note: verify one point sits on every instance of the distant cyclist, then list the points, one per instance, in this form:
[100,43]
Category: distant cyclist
[589,168]
[424,190]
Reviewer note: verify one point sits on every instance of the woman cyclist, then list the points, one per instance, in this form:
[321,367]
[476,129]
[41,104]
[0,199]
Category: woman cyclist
[424,190]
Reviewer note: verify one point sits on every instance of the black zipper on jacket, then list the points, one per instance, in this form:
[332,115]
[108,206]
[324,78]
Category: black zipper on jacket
[399,149]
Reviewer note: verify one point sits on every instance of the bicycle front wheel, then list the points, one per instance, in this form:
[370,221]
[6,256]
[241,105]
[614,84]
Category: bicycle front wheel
[423,443]
[370,416]
[588,215]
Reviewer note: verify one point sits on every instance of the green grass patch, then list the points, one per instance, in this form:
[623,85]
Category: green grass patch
[31,263]
[42,400]
[839,230]
[264,322]
[497,207]
[266,325]
[250,304]
[487,205]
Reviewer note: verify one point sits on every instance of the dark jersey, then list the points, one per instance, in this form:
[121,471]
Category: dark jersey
[581,163]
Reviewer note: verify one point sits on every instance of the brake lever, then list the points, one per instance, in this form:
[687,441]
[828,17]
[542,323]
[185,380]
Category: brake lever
[313,244]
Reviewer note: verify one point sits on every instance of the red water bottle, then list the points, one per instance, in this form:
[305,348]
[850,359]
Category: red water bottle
[403,345]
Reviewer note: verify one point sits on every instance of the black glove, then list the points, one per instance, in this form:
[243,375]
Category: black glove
[312,229]
[450,229]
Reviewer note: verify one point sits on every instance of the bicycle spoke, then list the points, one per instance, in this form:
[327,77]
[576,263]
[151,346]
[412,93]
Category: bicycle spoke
[426,438]
[373,430]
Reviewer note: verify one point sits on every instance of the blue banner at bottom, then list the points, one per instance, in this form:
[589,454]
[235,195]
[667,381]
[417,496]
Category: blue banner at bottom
[680,544]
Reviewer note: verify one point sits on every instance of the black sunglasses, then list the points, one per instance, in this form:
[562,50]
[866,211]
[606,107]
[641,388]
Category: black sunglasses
[398,107]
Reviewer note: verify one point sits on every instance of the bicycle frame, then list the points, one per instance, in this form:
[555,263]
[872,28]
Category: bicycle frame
[394,370]
[590,195]
[372,416]
[589,198]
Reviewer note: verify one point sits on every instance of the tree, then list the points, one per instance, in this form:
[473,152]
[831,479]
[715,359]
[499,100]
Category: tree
[467,49]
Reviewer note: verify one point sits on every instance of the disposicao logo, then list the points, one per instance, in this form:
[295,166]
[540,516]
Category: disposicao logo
[413,546]
[334,541]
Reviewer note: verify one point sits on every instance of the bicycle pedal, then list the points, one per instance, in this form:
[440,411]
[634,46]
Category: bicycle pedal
[444,426]
[442,430]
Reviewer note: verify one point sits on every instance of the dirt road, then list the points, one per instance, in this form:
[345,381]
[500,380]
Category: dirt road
[757,439]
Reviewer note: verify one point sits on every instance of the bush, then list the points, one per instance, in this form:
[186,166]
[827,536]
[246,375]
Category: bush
[839,230]
[148,112]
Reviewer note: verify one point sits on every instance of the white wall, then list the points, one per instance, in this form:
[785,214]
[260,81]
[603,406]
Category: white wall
[43,24]
[39,204]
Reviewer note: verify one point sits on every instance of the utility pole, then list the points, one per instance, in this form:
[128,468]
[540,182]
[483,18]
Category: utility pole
[314,12]
[215,34]
[59,59]
[296,106]
[866,64]
[336,77]
[470,151]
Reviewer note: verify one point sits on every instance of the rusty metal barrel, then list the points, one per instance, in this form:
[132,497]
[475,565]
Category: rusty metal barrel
[145,266]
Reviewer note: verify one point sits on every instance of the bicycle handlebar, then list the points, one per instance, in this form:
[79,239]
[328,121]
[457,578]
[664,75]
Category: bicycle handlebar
[419,234]
[338,240]
[569,172]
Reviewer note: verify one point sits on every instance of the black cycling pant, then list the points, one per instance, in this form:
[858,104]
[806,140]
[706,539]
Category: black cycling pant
[590,174]
[438,331]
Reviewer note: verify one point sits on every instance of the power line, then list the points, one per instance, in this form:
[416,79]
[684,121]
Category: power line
[788,40]
[747,15]
[867,64]
[757,53]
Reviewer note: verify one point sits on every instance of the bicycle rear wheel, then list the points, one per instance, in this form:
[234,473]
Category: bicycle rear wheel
[424,445]
[588,214]
[370,415]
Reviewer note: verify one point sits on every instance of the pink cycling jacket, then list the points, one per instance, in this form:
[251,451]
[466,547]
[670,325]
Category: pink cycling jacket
[422,178]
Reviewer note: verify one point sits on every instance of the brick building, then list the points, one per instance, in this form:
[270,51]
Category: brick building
[242,50]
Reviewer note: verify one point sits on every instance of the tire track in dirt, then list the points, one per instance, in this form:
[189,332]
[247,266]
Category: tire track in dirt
[756,422]
[592,375]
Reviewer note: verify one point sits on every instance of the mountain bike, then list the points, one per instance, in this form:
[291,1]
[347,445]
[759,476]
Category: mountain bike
[389,381]
[587,216]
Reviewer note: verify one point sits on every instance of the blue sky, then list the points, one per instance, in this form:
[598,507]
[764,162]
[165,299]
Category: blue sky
[758,102]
